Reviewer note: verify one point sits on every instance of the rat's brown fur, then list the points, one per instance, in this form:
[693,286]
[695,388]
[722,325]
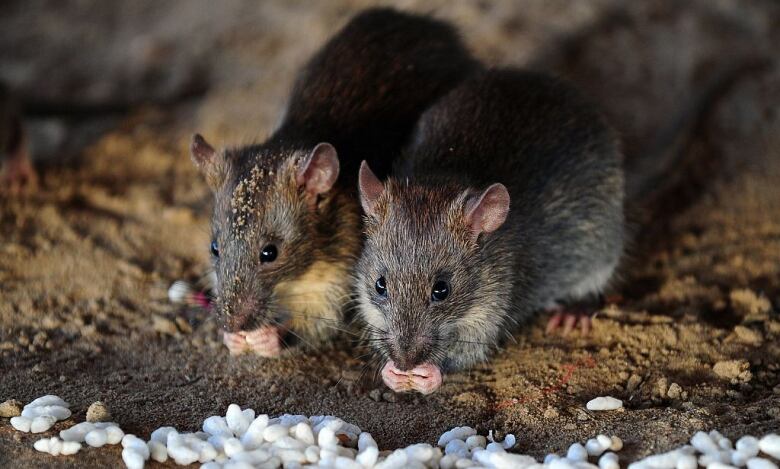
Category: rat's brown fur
[361,93]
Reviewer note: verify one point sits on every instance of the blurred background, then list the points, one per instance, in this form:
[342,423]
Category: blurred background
[111,92]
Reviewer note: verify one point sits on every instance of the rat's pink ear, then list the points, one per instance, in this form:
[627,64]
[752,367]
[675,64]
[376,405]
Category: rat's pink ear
[319,171]
[371,188]
[208,161]
[486,212]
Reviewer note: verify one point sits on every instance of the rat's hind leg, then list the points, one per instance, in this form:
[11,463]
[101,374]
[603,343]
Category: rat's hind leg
[580,303]
[18,174]
[570,317]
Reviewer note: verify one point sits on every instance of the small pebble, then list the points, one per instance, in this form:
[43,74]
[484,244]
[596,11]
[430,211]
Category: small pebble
[98,412]
[604,403]
[10,408]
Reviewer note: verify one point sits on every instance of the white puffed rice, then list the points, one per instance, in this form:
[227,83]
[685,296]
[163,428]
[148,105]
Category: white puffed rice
[604,403]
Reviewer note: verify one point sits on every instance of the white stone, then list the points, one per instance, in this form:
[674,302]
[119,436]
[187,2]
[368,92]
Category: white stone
[157,451]
[577,452]
[161,434]
[704,443]
[133,458]
[77,432]
[594,447]
[609,461]
[114,435]
[47,400]
[21,424]
[236,420]
[70,447]
[457,433]
[748,446]
[96,438]
[458,448]
[179,291]
[232,446]
[368,456]
[617,444]
[760,463]
[216,425]
[56,411]
[604,403]
[476,441]
[770,444]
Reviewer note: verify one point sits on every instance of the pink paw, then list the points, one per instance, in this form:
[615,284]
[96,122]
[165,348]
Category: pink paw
[425,378]
[236,343]
[569,321]
[265,341]
[18,176]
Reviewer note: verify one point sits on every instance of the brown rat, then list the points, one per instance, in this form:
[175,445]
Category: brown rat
[509,201]
[286,222]
[16,172]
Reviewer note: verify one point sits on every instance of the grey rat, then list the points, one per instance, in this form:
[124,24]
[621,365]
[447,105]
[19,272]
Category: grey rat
[556,247]
[286,222]
[508,201]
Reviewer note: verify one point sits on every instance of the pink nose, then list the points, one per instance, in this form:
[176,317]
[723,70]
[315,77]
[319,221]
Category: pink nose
[425,378]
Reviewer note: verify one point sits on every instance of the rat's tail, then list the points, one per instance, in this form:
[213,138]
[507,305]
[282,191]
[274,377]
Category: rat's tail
[659,168]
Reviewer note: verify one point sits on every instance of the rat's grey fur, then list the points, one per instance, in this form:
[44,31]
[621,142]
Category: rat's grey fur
[561,241]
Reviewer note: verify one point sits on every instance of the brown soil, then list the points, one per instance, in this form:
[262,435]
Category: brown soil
[689,340]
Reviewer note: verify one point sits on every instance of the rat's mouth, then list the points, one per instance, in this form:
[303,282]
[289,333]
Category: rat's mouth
[424,378]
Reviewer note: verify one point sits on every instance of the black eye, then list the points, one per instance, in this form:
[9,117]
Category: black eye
[268,254]
[214,248]
[381,288]
[441,290]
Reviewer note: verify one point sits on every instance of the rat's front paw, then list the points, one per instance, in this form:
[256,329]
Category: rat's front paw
[18,176]
[425,378]
[236,343]
[266,341]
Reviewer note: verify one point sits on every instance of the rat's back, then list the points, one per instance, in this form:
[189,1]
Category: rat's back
[560,162]
[364,90]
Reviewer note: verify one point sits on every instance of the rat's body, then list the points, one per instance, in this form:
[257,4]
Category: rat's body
[461,266]
[16,171]
[293,198]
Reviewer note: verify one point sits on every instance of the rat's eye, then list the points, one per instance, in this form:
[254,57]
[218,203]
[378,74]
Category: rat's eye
[441,290]
[214,248]
[380,286]
[268,254]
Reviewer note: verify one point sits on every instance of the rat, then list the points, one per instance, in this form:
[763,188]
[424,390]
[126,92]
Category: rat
[286,222]
[17,173]
[507,202]
[452,262]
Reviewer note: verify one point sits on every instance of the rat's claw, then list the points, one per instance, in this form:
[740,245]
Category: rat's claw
[569,320]
[425,378]
[266,341]
[236,343]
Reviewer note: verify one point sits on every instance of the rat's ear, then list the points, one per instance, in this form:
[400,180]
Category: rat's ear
[485,212]
[371,188]
[208,161]
[319,171]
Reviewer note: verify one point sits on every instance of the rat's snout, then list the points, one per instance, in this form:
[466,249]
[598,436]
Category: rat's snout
[242,316]
[410,350]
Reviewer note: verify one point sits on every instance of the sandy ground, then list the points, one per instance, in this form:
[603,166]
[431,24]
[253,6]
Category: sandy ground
[689,340]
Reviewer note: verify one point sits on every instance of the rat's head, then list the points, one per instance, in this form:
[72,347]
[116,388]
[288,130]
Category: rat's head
[419,277]
[263,226]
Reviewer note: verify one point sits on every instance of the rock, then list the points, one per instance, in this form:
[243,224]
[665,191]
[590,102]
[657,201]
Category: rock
[10,408]
[674,391]
[748,336]
[735,370]
[98,412]
[604,403]
[633,383]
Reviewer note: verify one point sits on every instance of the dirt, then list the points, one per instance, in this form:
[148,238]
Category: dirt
[689,339]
